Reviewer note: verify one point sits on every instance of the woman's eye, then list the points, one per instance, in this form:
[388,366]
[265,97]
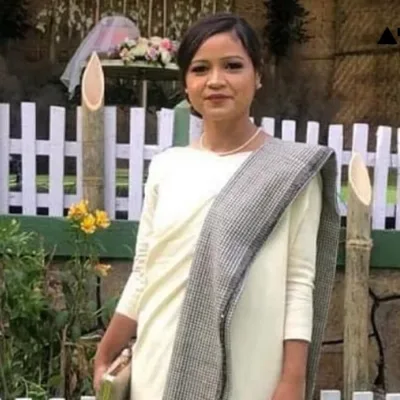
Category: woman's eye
[198,69]
[234,65]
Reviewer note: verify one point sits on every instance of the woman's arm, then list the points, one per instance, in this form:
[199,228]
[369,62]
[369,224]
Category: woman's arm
[123,325]
[292,382]
[295,354]
[119,332]
[299,291]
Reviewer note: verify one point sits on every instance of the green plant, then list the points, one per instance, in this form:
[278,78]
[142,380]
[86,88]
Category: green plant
[27,338]
[51,314]
[81,315]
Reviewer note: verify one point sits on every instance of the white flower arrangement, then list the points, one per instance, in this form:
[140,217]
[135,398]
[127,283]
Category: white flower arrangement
[155,51]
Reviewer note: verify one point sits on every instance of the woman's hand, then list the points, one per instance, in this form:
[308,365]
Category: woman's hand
[291,385]
[117,336]
[99,371]
[289,390]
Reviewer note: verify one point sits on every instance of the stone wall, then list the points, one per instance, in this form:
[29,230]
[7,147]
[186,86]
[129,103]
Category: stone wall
[384,333]
[384,329]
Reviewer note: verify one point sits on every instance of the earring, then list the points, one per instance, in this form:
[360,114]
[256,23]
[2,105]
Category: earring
[259,85]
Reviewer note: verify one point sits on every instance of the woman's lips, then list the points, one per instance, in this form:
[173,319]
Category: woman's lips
[215,97]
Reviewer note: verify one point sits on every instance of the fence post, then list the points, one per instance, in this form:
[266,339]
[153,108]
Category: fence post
[356,304]
[93,133]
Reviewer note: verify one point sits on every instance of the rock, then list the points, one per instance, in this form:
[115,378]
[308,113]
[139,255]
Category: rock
[388,322]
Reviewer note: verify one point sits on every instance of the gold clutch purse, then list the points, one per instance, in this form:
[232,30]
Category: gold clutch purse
[116,382]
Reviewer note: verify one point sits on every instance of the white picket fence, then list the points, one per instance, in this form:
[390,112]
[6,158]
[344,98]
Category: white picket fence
[324,395]
[56,200]
[336,395]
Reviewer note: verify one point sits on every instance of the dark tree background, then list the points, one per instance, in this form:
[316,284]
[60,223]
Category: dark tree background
[285,26]
[13,20]
[292,89]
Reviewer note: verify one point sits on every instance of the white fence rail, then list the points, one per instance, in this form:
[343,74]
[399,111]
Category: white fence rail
[324,395]
[336,395]
[136,151]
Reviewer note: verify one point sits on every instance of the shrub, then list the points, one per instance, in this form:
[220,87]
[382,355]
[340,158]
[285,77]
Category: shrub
[50,321]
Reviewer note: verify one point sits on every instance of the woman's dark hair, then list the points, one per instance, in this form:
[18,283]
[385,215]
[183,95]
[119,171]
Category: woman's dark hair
[212,25]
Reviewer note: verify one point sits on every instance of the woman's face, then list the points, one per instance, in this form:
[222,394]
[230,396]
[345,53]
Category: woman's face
[221,80]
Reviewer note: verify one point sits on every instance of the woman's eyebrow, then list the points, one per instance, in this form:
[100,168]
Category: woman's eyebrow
[222,58]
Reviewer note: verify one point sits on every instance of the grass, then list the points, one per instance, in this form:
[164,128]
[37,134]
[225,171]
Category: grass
[122,182]
[390,194]
[42,183]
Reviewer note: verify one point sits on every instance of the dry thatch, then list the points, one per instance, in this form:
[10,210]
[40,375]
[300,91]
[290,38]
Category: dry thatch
[362,74]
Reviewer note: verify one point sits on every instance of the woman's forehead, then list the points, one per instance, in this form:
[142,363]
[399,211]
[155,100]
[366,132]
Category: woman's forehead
[223,45]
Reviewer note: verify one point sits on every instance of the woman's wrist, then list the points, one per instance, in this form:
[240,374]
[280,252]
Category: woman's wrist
[102,358]
[294,377]
[295,361]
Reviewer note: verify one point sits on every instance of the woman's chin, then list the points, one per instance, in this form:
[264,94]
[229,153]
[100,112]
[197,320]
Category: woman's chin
[218,114]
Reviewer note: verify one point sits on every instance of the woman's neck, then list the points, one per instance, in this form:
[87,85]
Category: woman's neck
[222,136]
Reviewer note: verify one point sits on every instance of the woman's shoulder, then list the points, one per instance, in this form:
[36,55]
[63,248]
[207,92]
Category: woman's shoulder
[169,154]
[302,149]
[164,161]
[310,197]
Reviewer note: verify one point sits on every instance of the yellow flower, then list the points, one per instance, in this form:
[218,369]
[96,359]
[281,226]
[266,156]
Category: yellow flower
[102,269]
[88,224]
[102,220]
[78,210]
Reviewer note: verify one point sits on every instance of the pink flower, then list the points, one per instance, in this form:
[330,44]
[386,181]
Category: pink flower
[166,44]
[124,52]
[152,54]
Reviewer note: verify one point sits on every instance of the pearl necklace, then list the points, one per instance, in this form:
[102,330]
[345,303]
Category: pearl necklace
[234,150]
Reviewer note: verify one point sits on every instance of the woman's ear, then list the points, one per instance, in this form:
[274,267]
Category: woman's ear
[258,81]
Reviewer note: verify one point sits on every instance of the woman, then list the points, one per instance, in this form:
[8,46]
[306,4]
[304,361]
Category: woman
[225,280]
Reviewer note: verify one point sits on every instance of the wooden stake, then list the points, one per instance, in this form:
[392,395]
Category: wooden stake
[356,299]
[93,133]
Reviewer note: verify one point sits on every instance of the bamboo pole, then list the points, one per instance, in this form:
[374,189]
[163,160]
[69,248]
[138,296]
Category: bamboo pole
[70,18]
[97,12]
[150,18]
[356,298]
[53,32]
[93,132]
[165,17]
[83,26]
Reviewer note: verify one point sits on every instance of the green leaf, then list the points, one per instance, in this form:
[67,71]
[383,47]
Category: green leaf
[54,381]
[76,332]
[61,319]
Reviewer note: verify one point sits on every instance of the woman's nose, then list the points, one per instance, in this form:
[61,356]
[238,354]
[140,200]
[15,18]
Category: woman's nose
[216,78]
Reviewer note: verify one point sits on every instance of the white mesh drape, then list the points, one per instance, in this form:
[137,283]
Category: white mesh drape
[103,38]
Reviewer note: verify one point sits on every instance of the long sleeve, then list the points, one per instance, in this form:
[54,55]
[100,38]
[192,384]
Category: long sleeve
[304,226]
[136,283]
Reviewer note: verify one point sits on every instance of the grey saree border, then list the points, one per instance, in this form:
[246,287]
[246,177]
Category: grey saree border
[210,308]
